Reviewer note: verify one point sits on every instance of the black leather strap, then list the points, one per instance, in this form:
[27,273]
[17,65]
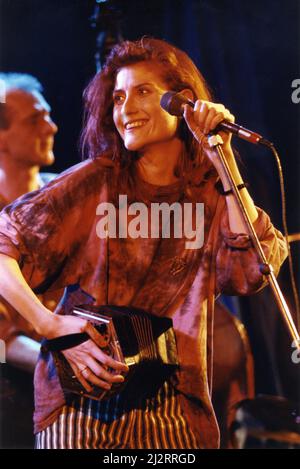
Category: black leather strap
[64,342]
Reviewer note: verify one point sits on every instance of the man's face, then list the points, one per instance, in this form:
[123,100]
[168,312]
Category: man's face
[30,136]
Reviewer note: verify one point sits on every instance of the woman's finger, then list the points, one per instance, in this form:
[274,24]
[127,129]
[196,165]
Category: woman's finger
[212,113]
[87,378]
[90,377]
[216,121]
[98,339]
[201,111]
[78,375]
[100,372]
[103,358]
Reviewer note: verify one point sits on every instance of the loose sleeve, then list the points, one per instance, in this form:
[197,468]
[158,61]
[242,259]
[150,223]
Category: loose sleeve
[32,234]
[237,266]
[29,232]
[46,232]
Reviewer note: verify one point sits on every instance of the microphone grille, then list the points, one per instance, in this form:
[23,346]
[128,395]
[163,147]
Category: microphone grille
[172,103]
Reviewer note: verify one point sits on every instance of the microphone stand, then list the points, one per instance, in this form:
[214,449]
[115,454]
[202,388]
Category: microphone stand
[215,142]
[106,21]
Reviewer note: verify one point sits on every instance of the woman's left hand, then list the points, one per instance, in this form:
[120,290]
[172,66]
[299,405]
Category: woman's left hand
[205,117]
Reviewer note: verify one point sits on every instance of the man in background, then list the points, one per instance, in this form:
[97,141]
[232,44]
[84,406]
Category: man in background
[26,144]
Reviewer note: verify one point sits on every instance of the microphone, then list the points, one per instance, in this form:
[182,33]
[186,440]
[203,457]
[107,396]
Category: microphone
[173,102]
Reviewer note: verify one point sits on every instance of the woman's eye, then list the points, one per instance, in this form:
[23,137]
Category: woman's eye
[143,91]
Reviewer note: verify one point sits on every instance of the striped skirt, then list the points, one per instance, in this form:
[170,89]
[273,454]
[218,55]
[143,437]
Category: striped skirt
[153,423]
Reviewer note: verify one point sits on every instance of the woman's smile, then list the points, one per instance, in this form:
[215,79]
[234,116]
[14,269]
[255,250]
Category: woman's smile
[136,124]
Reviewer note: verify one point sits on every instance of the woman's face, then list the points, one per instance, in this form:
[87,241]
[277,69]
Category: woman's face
[137,114]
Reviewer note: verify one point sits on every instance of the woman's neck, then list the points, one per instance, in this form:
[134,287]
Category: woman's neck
[156,165]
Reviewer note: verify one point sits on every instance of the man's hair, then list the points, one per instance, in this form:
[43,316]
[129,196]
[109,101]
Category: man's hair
[16,81]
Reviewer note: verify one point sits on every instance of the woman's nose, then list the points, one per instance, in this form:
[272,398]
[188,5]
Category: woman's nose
[129,105]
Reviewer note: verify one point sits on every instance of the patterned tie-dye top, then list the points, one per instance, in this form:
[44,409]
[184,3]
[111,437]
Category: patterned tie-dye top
[11,322]
[52,233]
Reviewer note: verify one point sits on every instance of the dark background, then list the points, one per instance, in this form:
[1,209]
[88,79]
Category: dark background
[249,53]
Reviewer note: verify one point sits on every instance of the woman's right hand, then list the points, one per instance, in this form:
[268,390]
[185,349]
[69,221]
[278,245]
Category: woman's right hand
[87,360]
[89,363]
